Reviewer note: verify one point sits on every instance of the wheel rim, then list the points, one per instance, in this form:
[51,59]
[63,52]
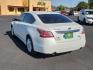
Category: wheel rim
[29,46]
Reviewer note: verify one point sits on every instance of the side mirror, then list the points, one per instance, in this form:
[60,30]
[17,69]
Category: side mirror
[83,13]
[15,19]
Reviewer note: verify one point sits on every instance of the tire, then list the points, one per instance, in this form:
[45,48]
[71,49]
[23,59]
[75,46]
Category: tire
[29,45]
[84,21]
[12,31]
[78,20]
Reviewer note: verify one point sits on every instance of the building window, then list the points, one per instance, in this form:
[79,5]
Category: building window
[39,9]
[34,9]
[11,9]
[21,9]
[0,9]
[41,3]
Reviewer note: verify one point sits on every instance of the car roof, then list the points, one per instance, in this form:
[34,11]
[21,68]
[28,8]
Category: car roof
[42,12]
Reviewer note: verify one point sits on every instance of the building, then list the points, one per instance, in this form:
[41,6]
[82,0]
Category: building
[16,7]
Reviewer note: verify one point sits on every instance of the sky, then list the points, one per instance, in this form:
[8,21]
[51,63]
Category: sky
[68,3]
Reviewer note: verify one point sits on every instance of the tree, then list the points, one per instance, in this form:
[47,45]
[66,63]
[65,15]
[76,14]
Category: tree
[60,8]
[82,5]
[90,4]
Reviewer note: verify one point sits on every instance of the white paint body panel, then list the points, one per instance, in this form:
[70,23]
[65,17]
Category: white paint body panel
[53,44]
[88,17]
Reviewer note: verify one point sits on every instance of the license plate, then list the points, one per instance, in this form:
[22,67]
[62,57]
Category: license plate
[68,35]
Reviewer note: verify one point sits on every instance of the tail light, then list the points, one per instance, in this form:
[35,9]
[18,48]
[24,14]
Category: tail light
[45,34]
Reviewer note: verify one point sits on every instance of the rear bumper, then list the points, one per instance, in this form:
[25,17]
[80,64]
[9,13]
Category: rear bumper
[50,46]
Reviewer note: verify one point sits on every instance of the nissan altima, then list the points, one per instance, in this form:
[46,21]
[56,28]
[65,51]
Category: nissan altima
[48,32]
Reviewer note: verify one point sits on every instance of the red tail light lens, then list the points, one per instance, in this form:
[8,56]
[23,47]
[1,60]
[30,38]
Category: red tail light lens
[45,34]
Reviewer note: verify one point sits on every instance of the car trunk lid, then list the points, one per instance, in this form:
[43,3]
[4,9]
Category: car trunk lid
[65,32]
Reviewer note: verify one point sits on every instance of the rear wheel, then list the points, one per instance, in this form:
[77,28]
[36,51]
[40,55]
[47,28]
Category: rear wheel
[29,45]
[78,19]
[84,21]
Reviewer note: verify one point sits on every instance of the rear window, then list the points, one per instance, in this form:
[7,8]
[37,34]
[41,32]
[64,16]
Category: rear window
[53,18]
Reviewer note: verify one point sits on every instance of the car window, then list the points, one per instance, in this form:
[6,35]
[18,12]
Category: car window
[89,12]
[28,18]
[22,17]
[53,18]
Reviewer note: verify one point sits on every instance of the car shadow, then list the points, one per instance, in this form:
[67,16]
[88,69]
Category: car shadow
[22,47]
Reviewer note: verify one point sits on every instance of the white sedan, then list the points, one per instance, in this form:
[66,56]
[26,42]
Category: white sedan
[48,32]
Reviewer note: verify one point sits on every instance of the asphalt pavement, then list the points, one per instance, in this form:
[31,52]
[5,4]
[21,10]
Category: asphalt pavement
[14,55]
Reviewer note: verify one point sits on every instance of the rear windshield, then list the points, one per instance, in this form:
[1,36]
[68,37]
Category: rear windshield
[53,18]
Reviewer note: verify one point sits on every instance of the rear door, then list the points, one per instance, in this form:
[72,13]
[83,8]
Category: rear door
[23,27]
[17,25]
